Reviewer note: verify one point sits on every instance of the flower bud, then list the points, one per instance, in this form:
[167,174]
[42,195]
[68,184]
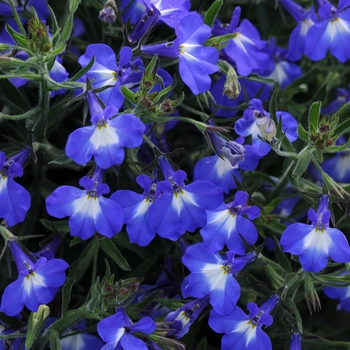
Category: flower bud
[232,87]
[107,15]
[267,128]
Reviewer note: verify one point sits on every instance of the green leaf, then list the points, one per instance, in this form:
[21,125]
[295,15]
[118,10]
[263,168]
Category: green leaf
[342,128]
[66,292]
[303,134]
[302,163]
[213,11]
[108,247]
[55,340]
[19,38]
[273,106]
[73,5]
[151,70]
[281,257]
[12,96]
[84,70]
[56,226]
[314,113]
[65,161]
[203,344]
[128,94]
[141,270]
[336,149]
[80,265]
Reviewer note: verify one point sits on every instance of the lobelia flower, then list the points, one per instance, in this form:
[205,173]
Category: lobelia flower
[233,155]
[315,243]
[226,224]
[182,318]
[244,331]
[282,71]
[105,139]
[106,71]
[212,275]
[116,331]
[245,49]
[135,208]
[330,33]
[181,207]
[305,19]
[88,210]
[255,116]
[14,198]
[196,61]
[38,282]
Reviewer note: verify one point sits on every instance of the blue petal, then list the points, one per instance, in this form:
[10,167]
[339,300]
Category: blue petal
[110,220]
[293,236]
[79,146]
[60,202]
[14,201]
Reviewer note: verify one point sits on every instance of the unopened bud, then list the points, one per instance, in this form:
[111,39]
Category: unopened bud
[107,15]
[232,87]
[267,128]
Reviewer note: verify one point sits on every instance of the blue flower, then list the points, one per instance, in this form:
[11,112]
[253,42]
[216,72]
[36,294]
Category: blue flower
[226,224]
[332,33]
[14,198]
[89,212]
[181,207]
[37,283]
[182,318]
[196,61]
[105,139]
[135,208]
[212,275]
[343,96]
[233,156]
[106,71]
[245,49]
[244,331]
[116,331]
[254,115]
[306,20]
[282,71]
[316,242]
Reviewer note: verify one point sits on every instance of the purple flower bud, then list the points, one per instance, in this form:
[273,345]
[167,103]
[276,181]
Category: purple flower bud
[107,15]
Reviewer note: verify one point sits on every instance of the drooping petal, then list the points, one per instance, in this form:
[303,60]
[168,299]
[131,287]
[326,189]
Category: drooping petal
[14,201]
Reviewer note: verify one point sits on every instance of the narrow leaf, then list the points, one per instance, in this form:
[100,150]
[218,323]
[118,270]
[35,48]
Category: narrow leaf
[213,11]
[108,247]
[314,113]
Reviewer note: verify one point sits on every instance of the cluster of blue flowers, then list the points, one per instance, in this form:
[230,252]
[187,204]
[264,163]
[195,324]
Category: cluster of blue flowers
[218,224]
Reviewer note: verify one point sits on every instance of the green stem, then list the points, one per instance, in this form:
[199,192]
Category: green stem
[18,21]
